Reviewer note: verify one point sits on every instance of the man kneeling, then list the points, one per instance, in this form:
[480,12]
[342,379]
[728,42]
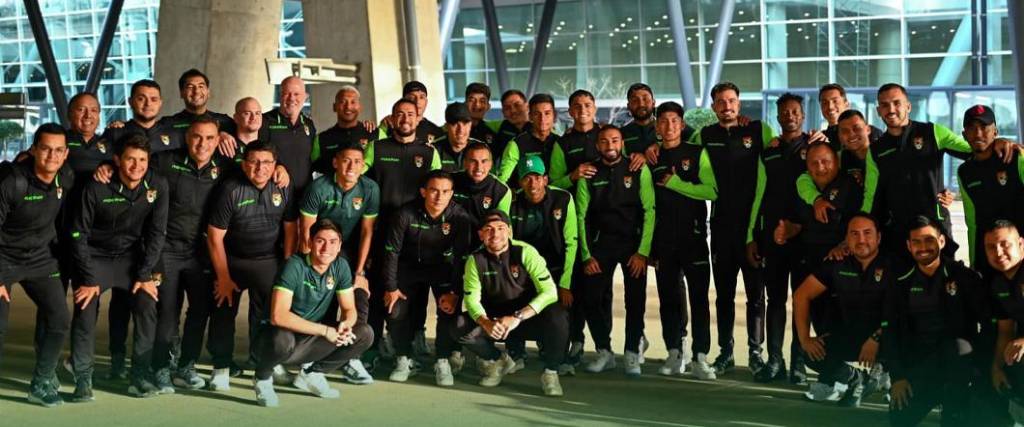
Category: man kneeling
[509,295]
[302,330]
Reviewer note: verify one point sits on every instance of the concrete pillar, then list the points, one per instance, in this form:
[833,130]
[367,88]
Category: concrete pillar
[777,46]
[226,39]
[370,33]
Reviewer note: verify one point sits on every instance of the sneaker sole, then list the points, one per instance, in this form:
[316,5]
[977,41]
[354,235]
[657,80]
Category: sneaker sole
[83,399]
[188,386]
[352,381]
[38,401]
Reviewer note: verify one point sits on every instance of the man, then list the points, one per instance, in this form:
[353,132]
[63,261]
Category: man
[933,314]
[616,217]
[784,160]
[509,295]
[118,234]
[194,88]
[478,102]
[86,149]
[843,299]
[475,188]
[735,154]
[292,133]
[248,120]
[1004,250]
[991,189]
[352,202]
[426,130]
[422,243]
[539,141]
[191,175]
[145,101]
[640,134]
[684,180]
[576,152]
[452,146]
[516,113]
[347,131]
[833,103]
[545,218]
[32,193]
[304,328]
[245,225]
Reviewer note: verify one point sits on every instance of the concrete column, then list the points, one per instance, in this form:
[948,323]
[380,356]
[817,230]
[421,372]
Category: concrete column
[370,33]
[777,46]
[226,39]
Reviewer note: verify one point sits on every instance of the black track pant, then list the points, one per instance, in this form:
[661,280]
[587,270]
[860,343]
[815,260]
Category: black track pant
[46,291]
[256,275]
[185,275]
[673,292]
[728,257]
[934,384]
[114,273]
[402,320]
[119,314]
[840,347]
[550,327]
[783,271]
[283,347]
[597,300]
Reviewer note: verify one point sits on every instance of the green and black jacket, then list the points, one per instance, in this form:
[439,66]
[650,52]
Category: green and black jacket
[550,227]
[190,191]
[499,285]
[525,145]
[28,213]
[682,214]
[783,163]
[615,207]
[399,169]
[415,241]
[573,149]
[479,197]
[991,190]
[332,140]
[162,136]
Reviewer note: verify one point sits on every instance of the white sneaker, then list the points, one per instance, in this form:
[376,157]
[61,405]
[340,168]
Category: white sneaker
[403,369]
[519,365]
[494,370]
[550,384]
[281,376]
[419,344]
[265,394]
[633,361]
[443,373]
[644,345]
[702,370]
[821,392]
[457,362]
[355,373]
[221,379]
[315,383]
[686,354]
[673,364]
[605,361]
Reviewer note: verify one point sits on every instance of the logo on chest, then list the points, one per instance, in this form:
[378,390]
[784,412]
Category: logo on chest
[515,271]
[951,288]
[151,195]
[60,192]
[357,203]
[305,129]
[418,160]
[446,228]
[363,142]
[748,141]
[1001,177]
[486,202]
[918,142]
[557,213]
[685,164]
[214,172]
[627,181]
[277,199]
[330,282]
[878,275]
[803,154]
[102,147]
[832,194]
[166,140]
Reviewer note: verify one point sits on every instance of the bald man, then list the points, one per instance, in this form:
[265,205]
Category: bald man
[292,132]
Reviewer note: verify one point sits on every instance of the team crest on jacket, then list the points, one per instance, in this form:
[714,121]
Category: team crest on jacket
[277,198]
[102,147]
[803,154]
[515,271]
[357,203]
[627,181]
[878,274]
[214,171]
[918,142]
[488,138]
[951,288]
[330,282]
[166,140]
[748,141]
[487,202]
[446,228]
[151,195]
[430,138]
[557,213]
[305,128]
[857,176]
[362,142]
[1001,177]
[60,192]
[418,160]
[685,163]
[833,193]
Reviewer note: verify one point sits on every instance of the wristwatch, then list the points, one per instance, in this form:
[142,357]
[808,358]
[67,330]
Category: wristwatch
[518,315]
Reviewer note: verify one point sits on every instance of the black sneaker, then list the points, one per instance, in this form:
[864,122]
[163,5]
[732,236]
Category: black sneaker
[83,390]
[162,381]
[775,369]
[854,391]
[756,364]
[723,363]
[798,373]
[142,387]
[118,369]
[235,370]
[43,392]
[186,377]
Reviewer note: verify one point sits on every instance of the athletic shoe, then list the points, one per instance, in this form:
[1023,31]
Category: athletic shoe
[403,369]
[702,370]
[118,371]
[575,354]
[142,387]
[873,380]
[685,354]
[43,392]
[494,370]
[220,380]
[443,373]
[605,361]
[162,381]
[567,370]
[854,391]
[315,383]
[281,376]
[644,345]
[419,344]
[633,361]
[457,362]
[550,384]
[235,370]
[723,363]
[83,390]
[520,364]
[673,364]
[821,392]
[755,363]
[187,378]
[775,369]
[354,372]
[797,373]
[265,394]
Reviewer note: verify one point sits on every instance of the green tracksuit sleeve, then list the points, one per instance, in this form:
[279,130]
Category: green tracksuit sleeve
[1020,168]
[951,143]
[314,154]
[471,290]
[559,173]
[767,135]
[870,182]
[509,160]
[647,200]
[570,234]
[806,189]
[493,125]
[368,156]
[708,187]
[547,292]
[582,203]
[969,219]
[435,163]
[505,204]
[755,208]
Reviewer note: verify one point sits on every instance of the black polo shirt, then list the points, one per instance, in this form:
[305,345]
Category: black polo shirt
[252,216]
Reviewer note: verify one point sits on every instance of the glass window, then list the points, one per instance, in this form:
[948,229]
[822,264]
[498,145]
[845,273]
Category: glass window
[744,42]
[925,71]
[745,11]
[469,23]
[746,76]
[12,73]
[612,15]
[947,34]
[81,24]
[565,51]
[868,37]
[1000,69]
[783,75]
[865,8]
[867,72]
[918,6]
[800,40]
[82,47]
[782,10]
[619,48]
[663,48]
[8,29]
[655,13]
[560,82]
[138,68]
[998,31]
[1003,104]
[567,17]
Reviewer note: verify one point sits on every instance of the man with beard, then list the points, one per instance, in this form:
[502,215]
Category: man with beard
[452,146]
[475,188]
[855,138]
[347,131]
[426,131]
[32,193]
[576,152]
[1004,250]
[640,134]
[145,101]
[616,216]
[833,103]
[684,182]
[194,88]
[539,141]
[933,313]
[991,189]
[292,133]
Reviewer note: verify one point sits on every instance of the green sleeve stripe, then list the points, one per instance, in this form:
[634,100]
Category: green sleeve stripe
[870,182]
[647,200]
[806,189]
[767,135]
[283,289]
[755,209]
[582,203]
[368,156]
[304,213]
[509,160]
[505,204]
[1020,167]
[471,290]
[435,163]
[947,140]
[559,171]
[570,234]
[546,290]
[314,155]
[347,290]
[370,215]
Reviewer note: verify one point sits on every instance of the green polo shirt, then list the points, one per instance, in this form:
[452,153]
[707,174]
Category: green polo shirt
[325,199]
[311,291]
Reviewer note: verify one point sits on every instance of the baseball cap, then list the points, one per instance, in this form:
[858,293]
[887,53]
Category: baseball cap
[980,113]
[531,164]
[495,215]
[413,86]
[457,112]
